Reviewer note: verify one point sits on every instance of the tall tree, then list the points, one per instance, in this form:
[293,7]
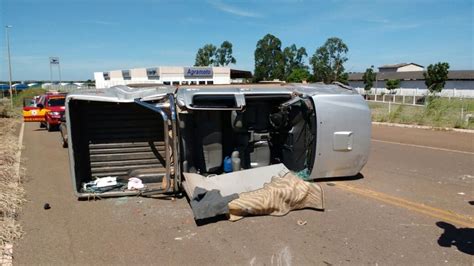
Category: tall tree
[298,75]
[294,59]
[328,61]
[436,76]
[206,55]
[269,61]
[369,78]
[224,55]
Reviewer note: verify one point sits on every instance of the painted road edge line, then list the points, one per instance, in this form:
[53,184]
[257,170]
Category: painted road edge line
[422,146]
[470,131]
[444,215]
[18,154]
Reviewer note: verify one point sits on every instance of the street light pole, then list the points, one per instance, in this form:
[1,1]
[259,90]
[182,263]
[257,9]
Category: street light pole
[9,63]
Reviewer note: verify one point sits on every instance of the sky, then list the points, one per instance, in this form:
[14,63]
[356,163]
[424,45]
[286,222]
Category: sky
[103,35]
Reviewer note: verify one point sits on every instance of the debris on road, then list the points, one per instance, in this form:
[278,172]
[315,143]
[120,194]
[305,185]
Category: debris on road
[47,206]
[301,222]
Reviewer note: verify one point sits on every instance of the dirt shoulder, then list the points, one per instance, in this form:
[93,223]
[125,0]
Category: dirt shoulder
[11,191]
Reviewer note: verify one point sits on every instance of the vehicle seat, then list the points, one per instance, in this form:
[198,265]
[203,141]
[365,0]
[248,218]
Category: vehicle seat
[253,146]
[208,141]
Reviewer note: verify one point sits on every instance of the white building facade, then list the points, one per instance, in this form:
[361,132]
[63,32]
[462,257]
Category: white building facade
[171,76]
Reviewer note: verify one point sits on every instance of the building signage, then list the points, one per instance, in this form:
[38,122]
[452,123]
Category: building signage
[54,60]
[152,73]
[191,72]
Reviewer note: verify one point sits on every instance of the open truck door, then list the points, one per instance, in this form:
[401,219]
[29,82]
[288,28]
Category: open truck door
[33,111]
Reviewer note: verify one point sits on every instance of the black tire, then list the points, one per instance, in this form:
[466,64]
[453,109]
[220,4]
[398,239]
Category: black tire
[49,127]
[42,125]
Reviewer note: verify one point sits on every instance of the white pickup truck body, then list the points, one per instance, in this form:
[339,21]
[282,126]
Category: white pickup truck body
[163,134]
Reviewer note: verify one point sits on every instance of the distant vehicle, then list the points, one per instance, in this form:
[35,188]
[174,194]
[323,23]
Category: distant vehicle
[47,110]
[179,139]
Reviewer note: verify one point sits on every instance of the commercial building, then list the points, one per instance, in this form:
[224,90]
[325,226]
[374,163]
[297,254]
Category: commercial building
[171,76]
[402,67]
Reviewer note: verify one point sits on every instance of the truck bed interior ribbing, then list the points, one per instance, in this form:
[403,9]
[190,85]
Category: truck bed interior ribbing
[113,139]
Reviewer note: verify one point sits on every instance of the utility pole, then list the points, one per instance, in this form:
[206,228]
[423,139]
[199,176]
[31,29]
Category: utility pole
[9,63]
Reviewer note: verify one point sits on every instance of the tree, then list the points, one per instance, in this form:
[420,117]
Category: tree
[392,84]
[206,55]
[436,76]
[294,58]
[328,61]
[224,55]
[269,61]
[299,75]
[369,78]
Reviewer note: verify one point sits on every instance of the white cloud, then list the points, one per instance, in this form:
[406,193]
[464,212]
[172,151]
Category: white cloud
[234,10]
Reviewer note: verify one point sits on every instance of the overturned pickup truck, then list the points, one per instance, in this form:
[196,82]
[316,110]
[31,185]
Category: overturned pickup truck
[230,138]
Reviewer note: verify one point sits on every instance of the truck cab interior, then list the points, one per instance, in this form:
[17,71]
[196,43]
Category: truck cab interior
[265,129]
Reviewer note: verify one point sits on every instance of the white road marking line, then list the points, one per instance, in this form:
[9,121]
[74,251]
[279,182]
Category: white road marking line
[18,154]
[422,146]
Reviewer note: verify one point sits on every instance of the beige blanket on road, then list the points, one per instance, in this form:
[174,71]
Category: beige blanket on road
[280,196]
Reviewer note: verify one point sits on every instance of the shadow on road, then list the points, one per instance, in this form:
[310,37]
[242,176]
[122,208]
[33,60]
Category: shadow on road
[342,178]
[462,238]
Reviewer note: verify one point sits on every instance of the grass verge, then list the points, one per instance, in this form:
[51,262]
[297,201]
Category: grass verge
[437,112]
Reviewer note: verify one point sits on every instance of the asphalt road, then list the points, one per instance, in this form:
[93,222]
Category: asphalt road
[411,205]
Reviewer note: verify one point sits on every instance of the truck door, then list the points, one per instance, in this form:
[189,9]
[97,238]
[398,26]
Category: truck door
[34,111]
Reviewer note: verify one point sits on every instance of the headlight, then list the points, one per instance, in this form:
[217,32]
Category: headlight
[55,113]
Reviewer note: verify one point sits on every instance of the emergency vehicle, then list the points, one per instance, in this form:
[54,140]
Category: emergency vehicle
[47,109]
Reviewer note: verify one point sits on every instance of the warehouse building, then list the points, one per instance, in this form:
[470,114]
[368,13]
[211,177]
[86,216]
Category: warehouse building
[402,67]
[460,83]
[172,76]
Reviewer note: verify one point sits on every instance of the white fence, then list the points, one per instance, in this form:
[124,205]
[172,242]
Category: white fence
[461,93]
[66,88]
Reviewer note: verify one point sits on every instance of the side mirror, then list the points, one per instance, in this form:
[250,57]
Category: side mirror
[40,105]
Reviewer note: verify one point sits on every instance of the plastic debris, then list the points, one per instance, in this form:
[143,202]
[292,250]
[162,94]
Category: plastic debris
[102,184]
[301,222]
[303,174]
[106,182]
[135,183]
